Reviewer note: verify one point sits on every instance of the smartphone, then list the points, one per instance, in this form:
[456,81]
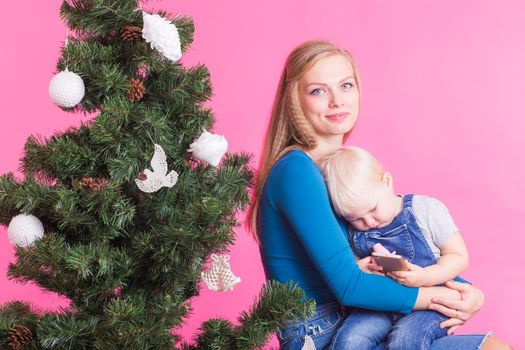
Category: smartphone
[390,262]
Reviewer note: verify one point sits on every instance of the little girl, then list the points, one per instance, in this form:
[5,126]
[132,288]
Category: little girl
[419,228]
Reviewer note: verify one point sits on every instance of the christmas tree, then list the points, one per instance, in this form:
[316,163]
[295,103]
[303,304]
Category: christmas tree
[122,214]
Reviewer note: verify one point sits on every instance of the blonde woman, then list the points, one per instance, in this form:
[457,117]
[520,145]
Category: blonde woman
[301,239]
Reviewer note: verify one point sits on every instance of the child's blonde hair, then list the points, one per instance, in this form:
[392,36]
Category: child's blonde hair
[349,172]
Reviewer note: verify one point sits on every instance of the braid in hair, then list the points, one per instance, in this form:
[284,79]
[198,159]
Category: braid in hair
[301,129]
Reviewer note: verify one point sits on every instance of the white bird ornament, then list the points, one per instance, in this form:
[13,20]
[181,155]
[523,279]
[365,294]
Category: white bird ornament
[159,177]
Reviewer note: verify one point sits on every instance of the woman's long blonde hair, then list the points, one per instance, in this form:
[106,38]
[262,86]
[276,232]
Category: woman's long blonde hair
[288,128]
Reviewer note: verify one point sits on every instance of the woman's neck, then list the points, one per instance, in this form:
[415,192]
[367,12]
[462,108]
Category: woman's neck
[325,147]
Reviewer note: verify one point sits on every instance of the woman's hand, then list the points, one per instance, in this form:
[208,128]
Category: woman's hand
[459,311]
[368,266]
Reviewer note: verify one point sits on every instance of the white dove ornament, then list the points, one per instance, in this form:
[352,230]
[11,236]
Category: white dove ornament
[159,177]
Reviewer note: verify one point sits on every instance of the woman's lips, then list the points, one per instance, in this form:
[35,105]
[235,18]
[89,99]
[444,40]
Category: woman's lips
[337,116]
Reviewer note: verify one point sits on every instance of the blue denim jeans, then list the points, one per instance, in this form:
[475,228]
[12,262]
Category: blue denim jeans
[327,330]
[320,327]
[365,329]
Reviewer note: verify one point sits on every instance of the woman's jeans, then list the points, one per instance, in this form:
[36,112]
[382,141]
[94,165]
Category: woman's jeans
[327,330]
[321,327]
[366,329]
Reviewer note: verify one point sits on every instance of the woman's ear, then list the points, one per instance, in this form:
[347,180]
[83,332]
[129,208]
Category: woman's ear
[387,179]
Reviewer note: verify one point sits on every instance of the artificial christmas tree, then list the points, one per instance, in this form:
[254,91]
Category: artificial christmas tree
[129,260]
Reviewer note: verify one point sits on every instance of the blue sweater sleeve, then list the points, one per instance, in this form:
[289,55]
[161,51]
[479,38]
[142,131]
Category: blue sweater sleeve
[300,194]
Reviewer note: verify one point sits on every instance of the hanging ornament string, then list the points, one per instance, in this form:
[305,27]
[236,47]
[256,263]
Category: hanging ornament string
[66,88]
[66,59]
[151,138]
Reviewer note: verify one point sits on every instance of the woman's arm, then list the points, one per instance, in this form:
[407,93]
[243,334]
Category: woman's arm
[298,191]
[427,294]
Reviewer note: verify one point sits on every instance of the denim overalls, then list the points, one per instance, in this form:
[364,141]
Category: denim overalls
[402,235]
[414,331]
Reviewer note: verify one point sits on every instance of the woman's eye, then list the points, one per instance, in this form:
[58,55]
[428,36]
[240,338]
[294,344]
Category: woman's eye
[347,85]
[317,92]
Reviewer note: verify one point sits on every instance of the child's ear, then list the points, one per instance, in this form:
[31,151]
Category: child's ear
[387,179]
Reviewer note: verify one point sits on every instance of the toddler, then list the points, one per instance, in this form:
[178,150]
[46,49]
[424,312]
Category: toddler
[419,228]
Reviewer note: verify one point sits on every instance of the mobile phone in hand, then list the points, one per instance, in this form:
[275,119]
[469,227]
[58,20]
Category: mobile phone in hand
[390,263]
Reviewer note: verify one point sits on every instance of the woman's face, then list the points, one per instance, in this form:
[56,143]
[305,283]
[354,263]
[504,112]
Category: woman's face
[329,97]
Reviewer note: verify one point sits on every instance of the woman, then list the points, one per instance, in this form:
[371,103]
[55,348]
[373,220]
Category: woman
[301,239]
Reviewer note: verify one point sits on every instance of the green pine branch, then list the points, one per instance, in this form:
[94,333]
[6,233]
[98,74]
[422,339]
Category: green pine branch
[129,261]
[275,304]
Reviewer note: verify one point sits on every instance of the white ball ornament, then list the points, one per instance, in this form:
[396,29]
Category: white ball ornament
[24,230]
[209,148]
[162,36]
[66,89]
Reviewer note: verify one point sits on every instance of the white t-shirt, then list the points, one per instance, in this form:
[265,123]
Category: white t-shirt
[435,221]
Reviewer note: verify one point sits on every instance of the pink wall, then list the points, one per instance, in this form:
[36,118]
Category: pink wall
[442,108]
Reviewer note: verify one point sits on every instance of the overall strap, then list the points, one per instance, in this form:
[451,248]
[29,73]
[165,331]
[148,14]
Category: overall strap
[407,200]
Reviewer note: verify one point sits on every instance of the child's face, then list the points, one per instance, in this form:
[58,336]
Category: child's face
[378,209]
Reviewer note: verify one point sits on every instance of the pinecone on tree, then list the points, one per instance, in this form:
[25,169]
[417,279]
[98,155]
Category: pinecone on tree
[92,184]
[136,89]
[131,33]
[18,337]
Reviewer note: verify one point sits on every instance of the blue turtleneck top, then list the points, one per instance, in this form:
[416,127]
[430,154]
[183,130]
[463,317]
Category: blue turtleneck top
[303,241]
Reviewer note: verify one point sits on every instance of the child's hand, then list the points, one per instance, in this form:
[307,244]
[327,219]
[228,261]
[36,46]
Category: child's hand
[367,266]
[416,277]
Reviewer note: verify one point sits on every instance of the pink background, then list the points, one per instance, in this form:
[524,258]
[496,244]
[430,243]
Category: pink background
[442,108]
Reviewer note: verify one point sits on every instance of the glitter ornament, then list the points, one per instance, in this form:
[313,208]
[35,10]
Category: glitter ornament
[159,177]
[24,230]
[219,277]
[66,89]
[209,148]
[162,36]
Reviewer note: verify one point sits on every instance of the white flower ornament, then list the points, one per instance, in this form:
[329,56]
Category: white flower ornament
[162,36]
[209,148]
[159,177]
